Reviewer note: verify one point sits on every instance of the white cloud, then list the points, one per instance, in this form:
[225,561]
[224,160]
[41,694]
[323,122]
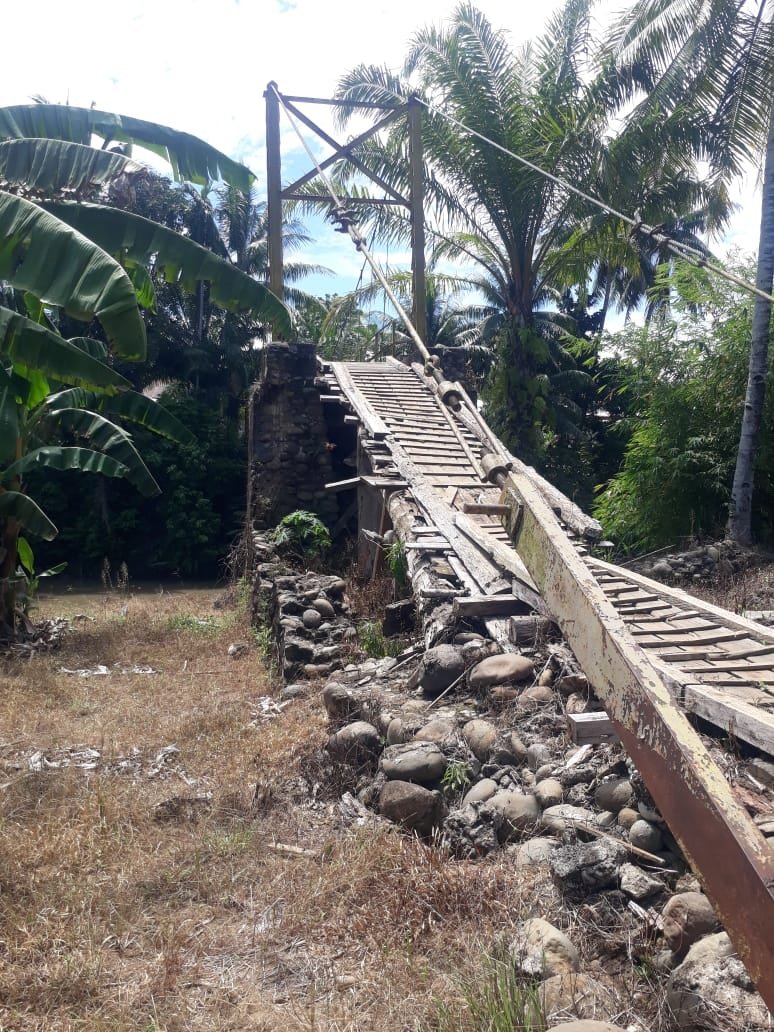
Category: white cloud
[203,66]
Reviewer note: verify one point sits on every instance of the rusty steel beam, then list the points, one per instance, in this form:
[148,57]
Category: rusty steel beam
[725,848]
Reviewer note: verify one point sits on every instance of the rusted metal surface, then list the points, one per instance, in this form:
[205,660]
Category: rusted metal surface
[734,860]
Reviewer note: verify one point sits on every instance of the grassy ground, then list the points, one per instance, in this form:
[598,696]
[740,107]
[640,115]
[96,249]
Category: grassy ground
[149,892]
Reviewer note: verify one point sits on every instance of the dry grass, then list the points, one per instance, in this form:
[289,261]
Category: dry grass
[112,919]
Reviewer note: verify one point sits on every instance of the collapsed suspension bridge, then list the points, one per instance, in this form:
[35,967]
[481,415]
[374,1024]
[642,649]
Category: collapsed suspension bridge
[486,537]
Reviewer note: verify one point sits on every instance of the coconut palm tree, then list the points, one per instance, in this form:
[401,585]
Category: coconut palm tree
[716,59]
[527,237]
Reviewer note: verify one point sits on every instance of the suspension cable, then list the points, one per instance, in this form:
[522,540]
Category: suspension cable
[681,250]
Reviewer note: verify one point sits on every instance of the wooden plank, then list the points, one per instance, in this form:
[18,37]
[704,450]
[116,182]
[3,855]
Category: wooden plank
[682,600]
[483,508]
[373,423]
[343,485]
[590,728]
[489,605]
[737,717]
[505,556]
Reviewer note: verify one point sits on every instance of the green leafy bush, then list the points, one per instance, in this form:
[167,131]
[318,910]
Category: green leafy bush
[688,376]
[303,534]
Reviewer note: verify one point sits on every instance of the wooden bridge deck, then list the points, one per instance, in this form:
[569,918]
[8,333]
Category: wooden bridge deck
[719,666]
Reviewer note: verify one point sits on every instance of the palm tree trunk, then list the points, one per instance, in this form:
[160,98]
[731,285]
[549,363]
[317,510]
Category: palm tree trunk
[740,513]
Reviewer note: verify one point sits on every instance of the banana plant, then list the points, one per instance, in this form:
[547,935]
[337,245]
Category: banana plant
[35,420]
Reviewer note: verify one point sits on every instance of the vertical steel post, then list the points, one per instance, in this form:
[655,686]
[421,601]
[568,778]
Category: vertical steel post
[416,196]
[274,190]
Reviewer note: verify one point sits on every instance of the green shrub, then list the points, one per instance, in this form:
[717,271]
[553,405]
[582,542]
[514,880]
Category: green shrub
[303,534]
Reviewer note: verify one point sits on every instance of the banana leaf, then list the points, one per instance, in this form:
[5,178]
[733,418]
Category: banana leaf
[113,441]
[34,349]
[127,405]
[54,166]
[17,506]
[40,254]
[9,416]
[128,236]
[83,460]
[191,158]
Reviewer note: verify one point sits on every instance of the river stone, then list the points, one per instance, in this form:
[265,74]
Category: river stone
[438,731]
[324,608]
[480,736]
[516,748]
[500,670]
[311,618]
[395,732]
[340,702]
[535,695]
[576,994]
[549,792]
[627,817]
[605,819]
[414,761]
[542,949]
[564,815]
[647,836]
[687,917]
[588,866]
[354,742]
[439,668]
[535,851]
[502,693]
[712,983]
[571,684]
[518,812]
[614,794]
[481,791]
[410,805]
[638,884]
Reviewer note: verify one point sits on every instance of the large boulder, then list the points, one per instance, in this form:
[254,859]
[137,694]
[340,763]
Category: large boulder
[542,949]
[480,792]
[411,806]
[614,794]
[414,761]
[355,742]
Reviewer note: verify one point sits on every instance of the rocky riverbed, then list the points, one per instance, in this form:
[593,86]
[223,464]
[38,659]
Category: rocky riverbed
[467,746]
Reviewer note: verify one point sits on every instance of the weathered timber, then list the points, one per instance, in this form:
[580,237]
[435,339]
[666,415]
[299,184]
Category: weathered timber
[712,828]
[489,605]
[507,558]
[590,728]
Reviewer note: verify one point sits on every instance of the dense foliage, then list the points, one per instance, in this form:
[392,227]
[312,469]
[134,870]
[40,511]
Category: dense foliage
[686,377]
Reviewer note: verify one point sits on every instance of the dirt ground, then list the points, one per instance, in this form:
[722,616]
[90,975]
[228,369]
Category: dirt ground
[171,855]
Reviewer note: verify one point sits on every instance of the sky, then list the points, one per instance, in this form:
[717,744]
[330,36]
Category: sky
[202,67]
